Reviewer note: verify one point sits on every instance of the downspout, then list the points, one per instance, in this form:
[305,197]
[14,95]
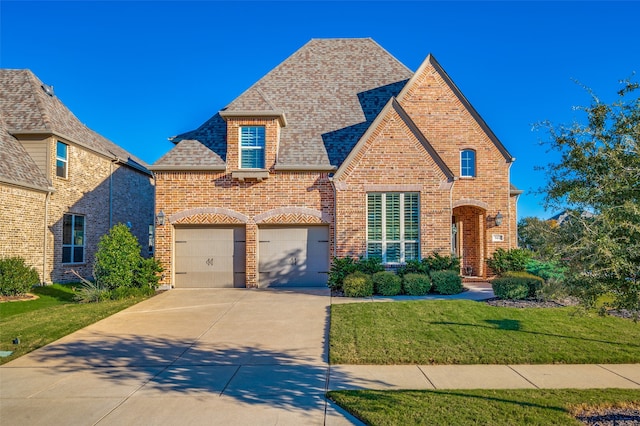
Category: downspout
[44,245]
[335,217]
[509,204]
[111,192]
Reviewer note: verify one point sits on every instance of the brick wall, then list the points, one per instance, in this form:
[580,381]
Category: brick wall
[392,160]
[86,191]
[251,201]
[22,225]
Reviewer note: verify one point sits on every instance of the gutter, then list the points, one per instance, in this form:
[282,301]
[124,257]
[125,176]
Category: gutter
[46,228]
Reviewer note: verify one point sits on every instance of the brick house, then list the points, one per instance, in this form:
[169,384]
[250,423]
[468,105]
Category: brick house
[62,185]
[339,151]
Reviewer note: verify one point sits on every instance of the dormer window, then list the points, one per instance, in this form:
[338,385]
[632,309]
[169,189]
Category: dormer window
[468,163]
[252,147]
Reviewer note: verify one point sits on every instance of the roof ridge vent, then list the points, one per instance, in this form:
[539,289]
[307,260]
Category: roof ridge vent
[48,90]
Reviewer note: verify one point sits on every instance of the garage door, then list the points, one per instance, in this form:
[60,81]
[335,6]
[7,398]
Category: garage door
[293,256]
[210,257]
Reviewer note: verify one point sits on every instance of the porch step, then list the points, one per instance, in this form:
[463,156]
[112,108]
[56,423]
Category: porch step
[473,279]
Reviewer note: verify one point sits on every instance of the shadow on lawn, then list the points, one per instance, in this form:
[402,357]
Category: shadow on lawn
[514,325]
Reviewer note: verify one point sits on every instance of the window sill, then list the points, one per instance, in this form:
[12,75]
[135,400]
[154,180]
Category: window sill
[467,177]
[250,174]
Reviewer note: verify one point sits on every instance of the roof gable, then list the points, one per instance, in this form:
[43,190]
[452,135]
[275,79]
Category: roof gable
[430,63]
[393,107]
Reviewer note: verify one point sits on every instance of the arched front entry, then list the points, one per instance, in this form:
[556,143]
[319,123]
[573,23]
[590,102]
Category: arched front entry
[468,239]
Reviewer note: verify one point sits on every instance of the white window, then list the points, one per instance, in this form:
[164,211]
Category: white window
[73,241]
[393,226]
[468,163]
[252,142]
[62,159]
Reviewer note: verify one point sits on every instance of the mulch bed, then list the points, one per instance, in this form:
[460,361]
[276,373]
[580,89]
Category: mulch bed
[19,298]
[611,417]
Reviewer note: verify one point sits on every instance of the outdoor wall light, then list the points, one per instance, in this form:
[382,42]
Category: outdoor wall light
[160,218]
[498,219]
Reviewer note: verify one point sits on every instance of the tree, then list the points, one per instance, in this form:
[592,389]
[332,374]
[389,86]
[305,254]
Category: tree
[599,171]
[539,236]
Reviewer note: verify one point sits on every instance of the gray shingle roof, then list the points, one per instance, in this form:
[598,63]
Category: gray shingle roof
[16,166]
[330,91]
[27,108]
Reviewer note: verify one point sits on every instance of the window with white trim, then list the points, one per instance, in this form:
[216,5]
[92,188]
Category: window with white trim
[62,159]
[73,238]
[393,226]
[468,163]
[252,143]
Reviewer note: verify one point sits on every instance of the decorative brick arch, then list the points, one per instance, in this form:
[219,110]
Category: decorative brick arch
[471,202]
[293,215]
[208,215]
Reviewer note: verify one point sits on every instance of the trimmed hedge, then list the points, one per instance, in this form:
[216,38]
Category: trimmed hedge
[416,284]
[516,285]
[358,284]
[341,267]
[16,277]
[387,283]
[446,282]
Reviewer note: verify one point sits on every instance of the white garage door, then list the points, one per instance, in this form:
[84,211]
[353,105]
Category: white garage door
[210,257]
[293,256]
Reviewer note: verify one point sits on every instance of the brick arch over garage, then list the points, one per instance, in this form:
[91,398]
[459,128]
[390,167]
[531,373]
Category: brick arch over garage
[208,215]
[293,215]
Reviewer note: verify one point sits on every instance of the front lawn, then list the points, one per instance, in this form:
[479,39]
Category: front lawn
[468,332]
[52,316]
[482,407]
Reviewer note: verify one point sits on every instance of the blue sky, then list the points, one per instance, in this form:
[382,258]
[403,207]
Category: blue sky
[140,72]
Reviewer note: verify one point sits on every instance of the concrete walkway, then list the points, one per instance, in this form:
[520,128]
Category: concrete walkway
[233,356]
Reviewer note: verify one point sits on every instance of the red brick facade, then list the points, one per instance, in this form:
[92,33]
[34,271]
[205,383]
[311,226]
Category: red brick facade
[413,146]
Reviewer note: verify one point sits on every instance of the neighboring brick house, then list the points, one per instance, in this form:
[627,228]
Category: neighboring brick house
[339,151]
[62,185]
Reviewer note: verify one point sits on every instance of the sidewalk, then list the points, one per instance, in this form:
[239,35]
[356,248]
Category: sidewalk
[522,376]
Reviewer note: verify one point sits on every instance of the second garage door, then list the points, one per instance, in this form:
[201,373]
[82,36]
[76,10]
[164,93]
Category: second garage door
[210,257]
[293,256]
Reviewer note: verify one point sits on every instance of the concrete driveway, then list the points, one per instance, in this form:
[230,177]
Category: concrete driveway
[224,356]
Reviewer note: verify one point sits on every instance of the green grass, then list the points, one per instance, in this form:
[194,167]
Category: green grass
[467,332]
[52,316]
[478,407]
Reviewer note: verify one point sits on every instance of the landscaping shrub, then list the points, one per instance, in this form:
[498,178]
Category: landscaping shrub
[358,284]
[533,282]
[516,285]
[510,288]
[552,290]
[509,260]
[416,284]
[148,274]
[447,282]
[413,267]
[387,283]
[545,270]
[431,263]
[118,264]
[117,258]
[91,292]
[436,262]
[340,268]
[16,277]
